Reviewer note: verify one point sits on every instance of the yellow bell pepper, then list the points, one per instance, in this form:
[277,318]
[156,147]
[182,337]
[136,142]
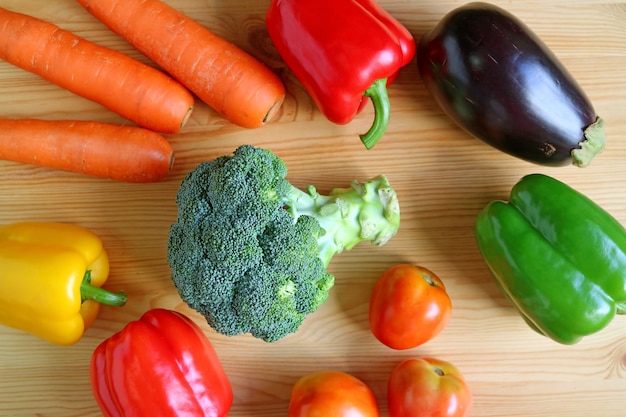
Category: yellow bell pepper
[50,279]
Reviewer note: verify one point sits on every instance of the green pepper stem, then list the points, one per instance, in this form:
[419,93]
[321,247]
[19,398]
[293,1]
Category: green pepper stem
[380,99]
[100,295]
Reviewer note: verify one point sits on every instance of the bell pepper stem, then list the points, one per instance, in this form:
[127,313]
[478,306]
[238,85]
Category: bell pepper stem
[100,295]
[380,99]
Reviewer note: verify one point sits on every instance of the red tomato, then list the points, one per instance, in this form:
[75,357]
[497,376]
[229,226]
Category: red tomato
[332,394]
[428,388]
[409,306]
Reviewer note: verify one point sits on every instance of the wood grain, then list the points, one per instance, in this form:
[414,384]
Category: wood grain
[443,178]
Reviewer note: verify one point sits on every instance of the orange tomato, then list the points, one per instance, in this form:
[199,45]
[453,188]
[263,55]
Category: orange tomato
[408,307]
[332,394]
[428,387]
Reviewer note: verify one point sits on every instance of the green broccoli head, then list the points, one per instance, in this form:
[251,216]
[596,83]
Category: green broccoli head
[249,251]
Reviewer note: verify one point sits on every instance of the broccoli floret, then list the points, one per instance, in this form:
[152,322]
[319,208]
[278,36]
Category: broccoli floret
[249,251]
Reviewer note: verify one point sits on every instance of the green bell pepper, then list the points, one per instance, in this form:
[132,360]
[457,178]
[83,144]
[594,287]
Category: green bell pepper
[557,255]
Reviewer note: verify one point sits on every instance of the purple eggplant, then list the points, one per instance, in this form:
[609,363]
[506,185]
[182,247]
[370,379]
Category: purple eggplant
[497,80]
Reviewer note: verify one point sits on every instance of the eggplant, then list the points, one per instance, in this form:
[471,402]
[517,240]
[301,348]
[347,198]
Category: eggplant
[498,81]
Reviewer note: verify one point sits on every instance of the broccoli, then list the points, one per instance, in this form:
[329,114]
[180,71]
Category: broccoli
[249,251]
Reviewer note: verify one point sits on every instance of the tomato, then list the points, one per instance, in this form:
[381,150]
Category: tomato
[428,387]
[408,307]
[332,394]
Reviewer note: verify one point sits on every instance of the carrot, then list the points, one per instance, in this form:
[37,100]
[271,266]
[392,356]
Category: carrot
[136,91]
[122,153]
[232,82]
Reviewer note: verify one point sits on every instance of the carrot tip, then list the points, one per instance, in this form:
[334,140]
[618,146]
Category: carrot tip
[273,110]
[187,116]
[171,162]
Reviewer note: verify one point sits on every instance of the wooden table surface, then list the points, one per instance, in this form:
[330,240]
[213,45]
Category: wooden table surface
[443,178]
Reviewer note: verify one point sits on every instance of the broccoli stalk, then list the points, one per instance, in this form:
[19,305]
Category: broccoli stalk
[249,251]
[365,211]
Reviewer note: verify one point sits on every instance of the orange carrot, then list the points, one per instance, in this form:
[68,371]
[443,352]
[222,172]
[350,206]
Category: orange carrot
[122,153]
[232,82]
[136,91]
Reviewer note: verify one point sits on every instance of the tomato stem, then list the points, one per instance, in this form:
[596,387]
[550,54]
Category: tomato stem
[438,371]
[429,279]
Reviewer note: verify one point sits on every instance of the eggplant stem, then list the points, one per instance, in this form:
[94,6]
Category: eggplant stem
[380,99]
[593,144]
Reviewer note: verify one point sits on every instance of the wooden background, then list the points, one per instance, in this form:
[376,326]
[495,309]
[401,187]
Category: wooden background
[443,178]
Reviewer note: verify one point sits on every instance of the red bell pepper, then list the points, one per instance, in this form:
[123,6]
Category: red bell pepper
[160,365]
[342,51]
